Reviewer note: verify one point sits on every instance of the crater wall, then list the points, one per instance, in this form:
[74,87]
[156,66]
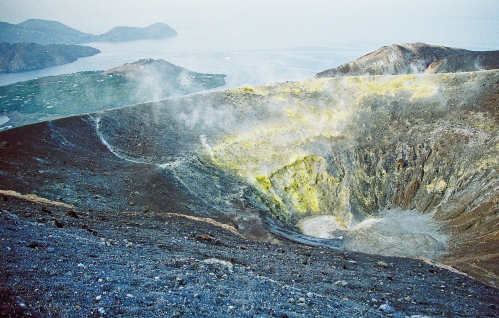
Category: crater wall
[352,147]
[347,147]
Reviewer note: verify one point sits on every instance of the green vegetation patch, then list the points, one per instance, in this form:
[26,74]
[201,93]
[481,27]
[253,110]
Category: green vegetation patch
[85,92]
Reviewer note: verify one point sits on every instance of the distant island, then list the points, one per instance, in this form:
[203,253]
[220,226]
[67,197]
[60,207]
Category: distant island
[52,32]
[84,92]
[21,57]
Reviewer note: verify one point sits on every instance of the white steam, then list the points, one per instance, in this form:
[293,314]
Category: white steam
[206,145]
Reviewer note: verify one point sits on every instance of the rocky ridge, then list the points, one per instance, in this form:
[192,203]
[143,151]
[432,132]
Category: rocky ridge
[415,58]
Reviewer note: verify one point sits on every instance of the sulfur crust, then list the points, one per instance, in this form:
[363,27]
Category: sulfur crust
[304,112]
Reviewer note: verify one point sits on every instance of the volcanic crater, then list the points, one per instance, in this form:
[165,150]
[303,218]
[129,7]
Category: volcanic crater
[394,165]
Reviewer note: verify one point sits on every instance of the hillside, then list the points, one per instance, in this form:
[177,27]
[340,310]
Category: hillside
[122,34]
[52,32]
[41,32]
[65,95]
[29,56]
[410,58]
[465,62]
[195,206]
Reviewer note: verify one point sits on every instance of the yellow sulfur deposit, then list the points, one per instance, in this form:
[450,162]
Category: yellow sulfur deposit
[275,155]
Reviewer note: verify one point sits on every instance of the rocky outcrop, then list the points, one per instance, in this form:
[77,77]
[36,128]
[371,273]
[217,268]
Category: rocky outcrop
[466,62]
[29,56]
[416,58]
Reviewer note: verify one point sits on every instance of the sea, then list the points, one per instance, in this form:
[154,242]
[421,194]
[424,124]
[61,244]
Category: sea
[245,63]
[242,66]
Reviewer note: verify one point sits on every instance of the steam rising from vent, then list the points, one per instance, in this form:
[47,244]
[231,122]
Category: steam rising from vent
[158,79]
[150,87]
[204,142]
[384,233]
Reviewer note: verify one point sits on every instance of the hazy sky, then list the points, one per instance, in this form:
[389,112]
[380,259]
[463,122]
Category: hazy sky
[465,23]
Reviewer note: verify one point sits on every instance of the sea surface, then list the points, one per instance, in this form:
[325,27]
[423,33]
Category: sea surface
[245,60]
[243,66]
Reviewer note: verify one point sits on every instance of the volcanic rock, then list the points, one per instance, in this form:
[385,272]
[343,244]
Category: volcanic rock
[416,58]
[260,160]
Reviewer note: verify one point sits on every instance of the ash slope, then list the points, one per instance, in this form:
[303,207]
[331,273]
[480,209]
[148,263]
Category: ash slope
[89,263]
[416,58]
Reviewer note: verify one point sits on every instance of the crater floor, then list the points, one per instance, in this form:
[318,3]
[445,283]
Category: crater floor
[390,233]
